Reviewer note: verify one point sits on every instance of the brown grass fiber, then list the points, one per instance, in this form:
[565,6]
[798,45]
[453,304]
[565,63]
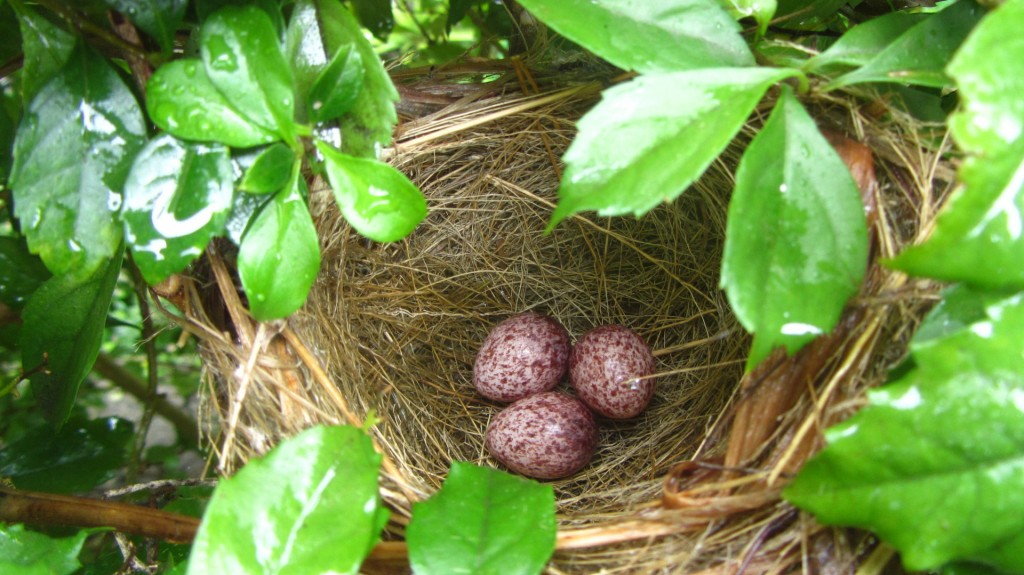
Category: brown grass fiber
[690,486]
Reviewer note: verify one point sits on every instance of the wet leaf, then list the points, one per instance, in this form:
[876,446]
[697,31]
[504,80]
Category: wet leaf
[79,457]
[310,506]
[244,209]
[919,55]
[62,332]
[935,464]
[807,14]
[182,100]
[483,521]
[336,87]
[158,18]
[177,198]
[649,36]
[24,552]
[375,198]
[21,273]
[305,52]
[796,237]
[73,150]
[862,43]
[376,16]
[279,256]
[652,137]
[46,46]
[367,127]
[270,170]
[761,10]
[979,236]
[243,59]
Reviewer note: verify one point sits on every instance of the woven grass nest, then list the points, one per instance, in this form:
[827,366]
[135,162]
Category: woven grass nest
[690,486]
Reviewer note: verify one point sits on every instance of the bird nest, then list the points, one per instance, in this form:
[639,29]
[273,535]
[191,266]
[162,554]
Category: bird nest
[390,331]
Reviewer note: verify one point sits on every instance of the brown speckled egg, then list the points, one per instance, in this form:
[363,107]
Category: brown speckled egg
[523,355]
[608,368]
[547,436]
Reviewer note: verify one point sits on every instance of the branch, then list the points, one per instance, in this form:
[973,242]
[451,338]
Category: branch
[185,426]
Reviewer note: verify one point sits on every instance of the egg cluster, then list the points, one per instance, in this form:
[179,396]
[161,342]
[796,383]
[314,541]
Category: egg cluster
[549,434]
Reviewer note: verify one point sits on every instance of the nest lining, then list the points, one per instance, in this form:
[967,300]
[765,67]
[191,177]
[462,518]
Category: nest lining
[392,330]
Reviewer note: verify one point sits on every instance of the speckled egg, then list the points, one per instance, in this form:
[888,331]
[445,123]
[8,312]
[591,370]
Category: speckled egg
[609,368]
[523,355]
[547,436]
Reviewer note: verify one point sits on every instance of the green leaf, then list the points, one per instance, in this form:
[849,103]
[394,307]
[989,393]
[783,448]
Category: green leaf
[79,457]
[10,30]
[649,36]
[24,552]
[862,43]
[47,48]
[73,151]
[376,199]
[652,137]
[177,198]
[367,127]
[761,10]
[483,521]
[243,59]
[935,464]
[63,328]
[244,209]
[919,56]
[796,237]
[158,18]
[182,100]
[310,506]
[457,10]
[336,88]
[959,308]
[279,256]
[979,236]
[21,273]
[807,14]
[270,170]
[376,16]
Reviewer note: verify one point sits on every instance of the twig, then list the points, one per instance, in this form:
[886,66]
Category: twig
[186,427]
[64,510]
[152,376]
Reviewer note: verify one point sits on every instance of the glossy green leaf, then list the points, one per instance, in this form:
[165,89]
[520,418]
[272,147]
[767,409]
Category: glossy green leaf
[959,308]
[483,521]
[796,237]
[807,14]
[760,10]
[182,100]
[367,127]
[270,170]
[375,198]
[652,137]
[73,151]
[81,456]
[935,464]
[176,199]
[376,16]
[862,43]
[310,506]
[244,209]
[206,8]
[279,256]
[979,236]
[24,552]
[243,59]
[158,18]
[21,273]
[61,336]
[305,52]
[649,36]
[46,46]
[919,56]
[336,88]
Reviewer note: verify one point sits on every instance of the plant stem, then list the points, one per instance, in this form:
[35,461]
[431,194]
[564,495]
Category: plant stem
[148,343]
[184,425]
